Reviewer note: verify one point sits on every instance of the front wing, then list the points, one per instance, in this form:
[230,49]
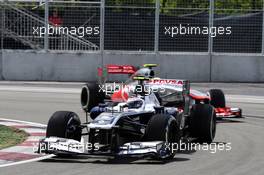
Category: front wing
[228,112]
[56,145]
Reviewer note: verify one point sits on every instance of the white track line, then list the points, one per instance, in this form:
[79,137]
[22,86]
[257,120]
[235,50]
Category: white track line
[245,98]
[30,160]
[40,89]
[46,89]
[39,82]
[78,91]
[21,121]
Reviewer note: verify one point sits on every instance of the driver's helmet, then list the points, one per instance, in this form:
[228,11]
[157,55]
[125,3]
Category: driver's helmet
[146,72]
[124,94]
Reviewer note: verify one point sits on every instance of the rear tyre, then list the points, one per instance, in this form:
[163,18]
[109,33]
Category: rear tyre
[91,96]
[163,127]
[64,124]
[217,98]
[203,123]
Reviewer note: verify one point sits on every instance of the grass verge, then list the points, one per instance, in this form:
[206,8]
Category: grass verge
[10,136]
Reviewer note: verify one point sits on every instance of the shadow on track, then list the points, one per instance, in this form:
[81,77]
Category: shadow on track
[84,159]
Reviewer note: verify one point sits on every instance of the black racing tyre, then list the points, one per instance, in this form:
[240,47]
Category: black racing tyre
[203,123]
[64,124]
[163,127]
[217,98]
[91,96]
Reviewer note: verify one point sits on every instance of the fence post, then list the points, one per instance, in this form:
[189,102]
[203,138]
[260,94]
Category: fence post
[210,38]
[46,37]
[102,18]
[262,49]
[2,26]
[157,22]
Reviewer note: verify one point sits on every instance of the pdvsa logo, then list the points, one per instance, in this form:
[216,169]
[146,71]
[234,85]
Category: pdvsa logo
[166,81]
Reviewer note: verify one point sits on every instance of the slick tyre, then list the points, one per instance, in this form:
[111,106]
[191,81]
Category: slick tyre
[217,98]
[91,96]
[203,123]
[64,124]
[163,127]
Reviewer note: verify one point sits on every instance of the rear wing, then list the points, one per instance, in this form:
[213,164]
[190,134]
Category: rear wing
[103,72]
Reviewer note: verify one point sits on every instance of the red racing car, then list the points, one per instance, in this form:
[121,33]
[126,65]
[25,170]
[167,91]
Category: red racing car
[215,97]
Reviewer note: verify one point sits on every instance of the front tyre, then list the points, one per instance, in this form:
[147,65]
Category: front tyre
[64,124]
[217,97]
[203,123]
[164,127]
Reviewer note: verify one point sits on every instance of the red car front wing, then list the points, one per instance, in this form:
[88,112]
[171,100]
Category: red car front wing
[228,112]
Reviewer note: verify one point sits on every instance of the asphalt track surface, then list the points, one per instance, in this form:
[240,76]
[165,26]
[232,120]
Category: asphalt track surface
[36,103]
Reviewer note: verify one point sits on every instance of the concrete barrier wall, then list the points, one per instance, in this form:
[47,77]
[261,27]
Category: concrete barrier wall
[170,65]
[20,65]
[1,55]
[238,68]
[41,66]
